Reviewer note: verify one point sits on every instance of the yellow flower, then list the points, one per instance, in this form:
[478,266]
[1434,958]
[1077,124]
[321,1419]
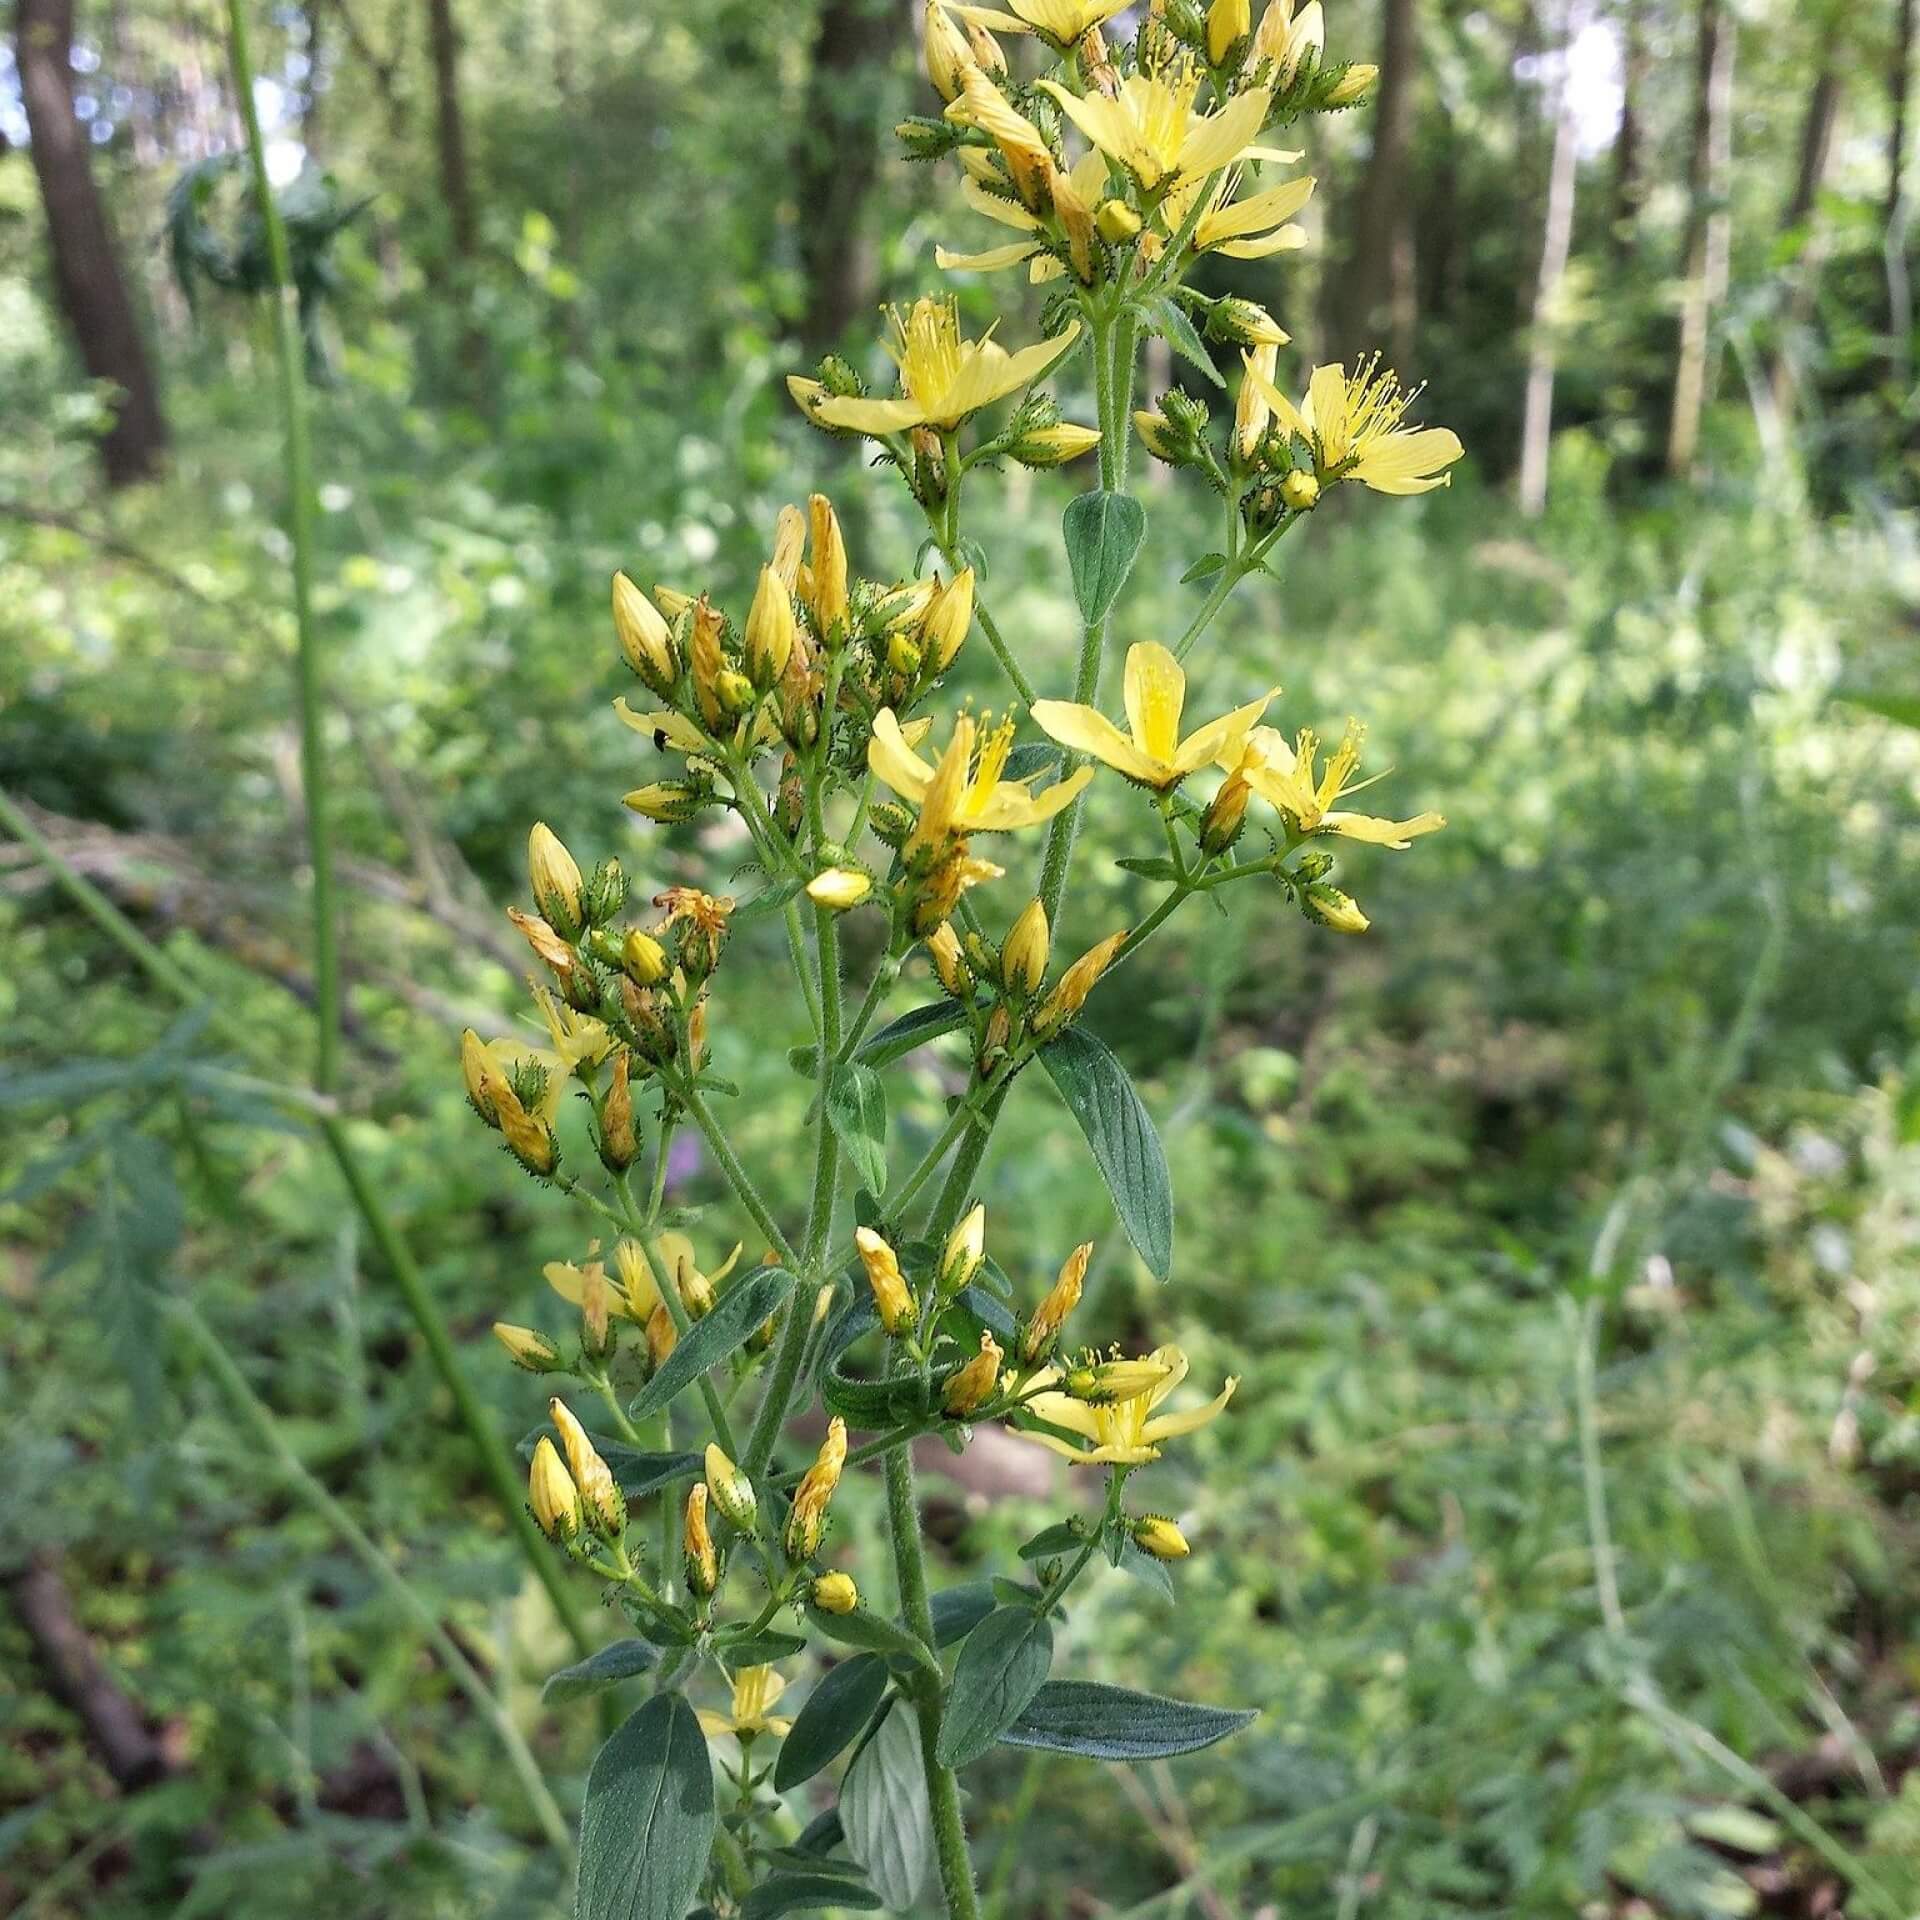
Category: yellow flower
[491,1066]
[891,1296]
[551,1494]
[943,378]
[1283,776]
[947,54]
[1354,428]
[964,793]
[1150,128]
[577,1037]
[1062,21]
[1023,152]
[1070,991]
[755,1689]
[1286,39]
[1152,752]
[1253,228]
[1125,1432]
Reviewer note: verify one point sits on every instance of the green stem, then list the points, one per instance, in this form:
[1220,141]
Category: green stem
[780,1386]
[728,1161]
[253,1414]
[826,1162]
[884,976]
[502,1474]
[300,528]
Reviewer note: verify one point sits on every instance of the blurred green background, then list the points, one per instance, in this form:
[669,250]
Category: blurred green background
[1565,1229]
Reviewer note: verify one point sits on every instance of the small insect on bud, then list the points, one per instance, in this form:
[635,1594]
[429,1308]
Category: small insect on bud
[1024,952]
[703,1563]
[1070,993]
[891,1294]
[662,1337]
[974,1384]
[807,1521]
[839,888]
[1043,1330]
[1157,1535]
[834,1593]
[949,963]
[1300,490]
[606,1505]
[769,630]
[965,1252]
[1054,446]
[643,959]
[1332,908]
[1355,84]
[731,1489]
[1116,221]
[646,640]
[525,1348]
[1226,814]
[551,1494]
[949,615]
[558,890]
[1229,22]
[619,1140]
[827,597]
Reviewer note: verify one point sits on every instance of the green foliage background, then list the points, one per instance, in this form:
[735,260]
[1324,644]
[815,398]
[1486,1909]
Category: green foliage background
[1563,1229]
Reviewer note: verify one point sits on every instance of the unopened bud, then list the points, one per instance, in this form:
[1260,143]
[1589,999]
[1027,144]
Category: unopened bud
[949,963]
[606,1505]
[646,640]
[1116,221]
[1229,22]
[557,887]
[995,1041]
[1043,1330]
[974,1384]
[668,801]
[839,888]
[606,893]
[891,1294]
[965,1251]
[1079,980]
[947,53]
[1332,908]
[703,1563]
[1161,440]
[1054,446]
[643,959]
[662,1337]
[597,1338]
[734,691]
[529,1136]
[619,1141]
[551,1494]
[481,1075]
[904,656]
[1244,323]
[806,1523]
[525,1348]
[731,1489]
[1157,1535]
[1355,84]
[769,636]
[949,615]
[835,1593]
[1023,954]
[1226,814]
[828,567]
[1300,490]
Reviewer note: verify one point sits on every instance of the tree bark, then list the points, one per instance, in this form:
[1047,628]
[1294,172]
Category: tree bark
[1536,428]
[1380,259]
[450,132]
[89,285]
[836,159]
[1709,231]
[1803,273]
[1629,173]
[1899,89]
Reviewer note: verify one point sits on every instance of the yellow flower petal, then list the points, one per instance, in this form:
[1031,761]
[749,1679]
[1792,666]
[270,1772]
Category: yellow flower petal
[1087,730]
[1155,693]
[991,261]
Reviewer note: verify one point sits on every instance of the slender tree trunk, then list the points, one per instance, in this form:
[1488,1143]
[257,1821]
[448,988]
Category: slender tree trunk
[1629,182]
[88,282]
[836,159]
[1536,429]
[1380,260]
[1709,231]
[450,133]
[1803,273]
[1899,78]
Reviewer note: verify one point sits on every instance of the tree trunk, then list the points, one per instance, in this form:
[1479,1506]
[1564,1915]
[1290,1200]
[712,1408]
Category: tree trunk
[88,283]
[1536,428]
[1899,75]
[1803,273]
[1629,181]
[1709,231]
[450,133]
[1380,261]
[836,159]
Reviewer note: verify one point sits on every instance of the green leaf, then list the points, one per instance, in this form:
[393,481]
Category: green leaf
[1140,1565]
[837,1712]
[1103,532]
[607,1668]
[1002,1664]
[723,1332]
[647,1827]
[759,1649]
[794,1892]
[1204,568]
[874,1633]
[1125,1146]
[1150,867]
[1099,1722]
[1062,1537]
[896,1039]
[857,1111]
[1889,703]
[958,1610]
[1169,319]
[1031,758]
[883,1806]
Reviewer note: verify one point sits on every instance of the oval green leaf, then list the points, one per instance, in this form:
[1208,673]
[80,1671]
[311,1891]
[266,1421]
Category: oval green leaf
[607,1668]
[798,1892]
[1002,1664]
[647,1827]
[1103,532]
[857,1112]
[1099,1722]
[883,1807]
[836,1713]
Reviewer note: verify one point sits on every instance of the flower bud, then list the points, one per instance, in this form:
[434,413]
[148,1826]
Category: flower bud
[949,963]
[482,1075]
[605,1503]
[734,692]
[1332,908]
[606,893]
[1161,439]
[1054,446]
[1023,954]
[703,1563]
[1043,1330]
[769,636]
[1300,490]
[557,888]
[709,662]
[965,1252]
[1116,221]
[1157,1535]
[643,959]
[597,1338]
[619,1141]
[1286,39]
[806,1523]
[988,54]
[904,656]
[1226,814]
[834,1593]
[1355,84]
[949,615]
[525,1348]
[974,1384]
[947,53]
[662,1337]
[828,596]
[1070,993]
[731,1489]
[890,1292]
[789,543]
[995,1042]
[551,1494]
[1244,323]
[527,1135]
[1229,22]
[839,888]
[646,639]
[667,801]
[696,1291]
